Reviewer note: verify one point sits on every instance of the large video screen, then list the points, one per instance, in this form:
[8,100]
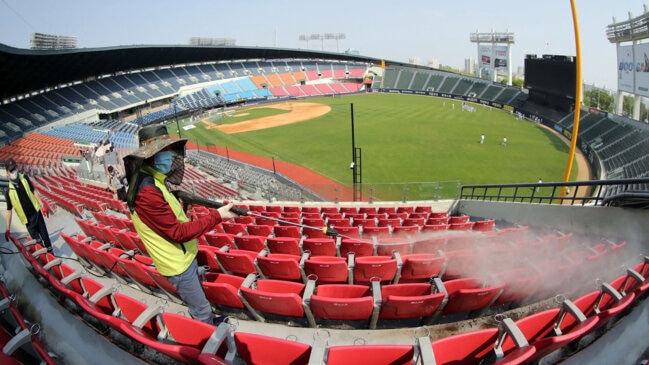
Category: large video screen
[554,75]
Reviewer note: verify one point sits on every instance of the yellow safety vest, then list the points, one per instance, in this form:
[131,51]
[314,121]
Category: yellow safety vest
[15,200]
[170,258]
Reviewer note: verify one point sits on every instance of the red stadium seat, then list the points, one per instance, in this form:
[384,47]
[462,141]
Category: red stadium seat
[236,262]
[234,228]
[412,300]
[250,242]
[286,245]
[275,297]
[134,268]
[163,283]
[519,284]
[219,239]
[259,230]
[371,354]
[223,290]
[255,349]
[469,294]
[378,232]
[405,231]
[348,210]
[316,222]
[437,220]
[327,269]
[370,268]
[604,304]
[345,302]
[360,247]
[206,258]
[339,222]
[281,267]
[367,210]
[364,222]
[288,231]
[310,210]
[413,221]
[324,246]
[537,329]
[458,219]
[421,267]
[387,246]
[484,225]
[429,244]
[435,227]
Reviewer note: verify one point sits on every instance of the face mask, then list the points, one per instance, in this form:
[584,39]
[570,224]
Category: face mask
[162,161]
[13,175]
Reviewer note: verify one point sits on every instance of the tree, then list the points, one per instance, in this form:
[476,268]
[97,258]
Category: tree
[599,99]
[515,82]
[627,108]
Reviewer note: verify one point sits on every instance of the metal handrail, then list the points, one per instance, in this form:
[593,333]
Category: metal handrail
[591,192]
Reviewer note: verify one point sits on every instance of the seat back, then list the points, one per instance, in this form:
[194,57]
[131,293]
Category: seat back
[250,242]
[280,266]
[409,301]
[287,231]
[328,269]
[371,354]
[420,267]
[368,268]
[285,245]
[256,349]
[219,239]
[360,247]
[342,302]
[324,246]
[465,295]
[237,262]
[468,348]
[223,289]
[276,297]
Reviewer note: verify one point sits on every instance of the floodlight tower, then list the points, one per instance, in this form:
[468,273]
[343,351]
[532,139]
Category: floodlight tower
[630,78]
[494,55]
[321,38]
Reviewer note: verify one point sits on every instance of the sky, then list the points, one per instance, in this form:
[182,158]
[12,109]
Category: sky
[425,29]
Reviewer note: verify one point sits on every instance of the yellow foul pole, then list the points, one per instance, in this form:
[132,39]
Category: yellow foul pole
[578,92]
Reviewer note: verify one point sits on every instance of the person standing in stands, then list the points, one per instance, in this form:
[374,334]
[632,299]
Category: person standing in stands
[115,184]
[159,219]
[30,208]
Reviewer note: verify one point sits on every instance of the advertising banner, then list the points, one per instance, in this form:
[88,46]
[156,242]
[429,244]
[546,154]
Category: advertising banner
[492,56]
[625,69]
[500,56]
[642,69]
[484,55]
[633,72]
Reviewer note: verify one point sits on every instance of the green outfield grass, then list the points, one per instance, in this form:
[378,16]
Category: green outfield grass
[404,139]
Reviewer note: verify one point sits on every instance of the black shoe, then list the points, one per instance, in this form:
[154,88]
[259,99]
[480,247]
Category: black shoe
[220,319]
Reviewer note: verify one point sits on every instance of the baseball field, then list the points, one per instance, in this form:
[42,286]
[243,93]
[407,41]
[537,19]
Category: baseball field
[405,141]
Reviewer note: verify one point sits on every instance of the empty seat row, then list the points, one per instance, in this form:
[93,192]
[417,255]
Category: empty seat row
[530,338]
[19,343]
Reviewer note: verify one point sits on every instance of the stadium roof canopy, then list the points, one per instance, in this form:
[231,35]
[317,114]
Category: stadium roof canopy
[23,71]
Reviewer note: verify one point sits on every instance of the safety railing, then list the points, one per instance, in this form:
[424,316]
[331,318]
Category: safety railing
[594,192]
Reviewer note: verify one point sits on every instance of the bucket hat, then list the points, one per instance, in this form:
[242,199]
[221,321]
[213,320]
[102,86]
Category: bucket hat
[152,139]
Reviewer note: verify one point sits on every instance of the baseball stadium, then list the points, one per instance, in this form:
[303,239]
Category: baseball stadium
[387,213]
